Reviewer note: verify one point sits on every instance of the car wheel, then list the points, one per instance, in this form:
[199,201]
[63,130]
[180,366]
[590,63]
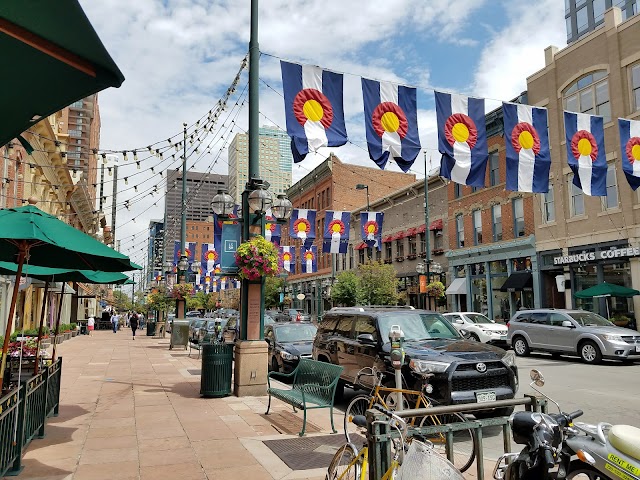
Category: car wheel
[590,353]
[521,347]
[275,367]
[474,337]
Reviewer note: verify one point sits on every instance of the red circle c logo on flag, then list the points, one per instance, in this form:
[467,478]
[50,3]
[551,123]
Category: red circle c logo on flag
[308,255]
[336,226]
[286,257]
[211,255]
[632,149]
[460,128]
[524,135]
[371,227]
[301,225]
[583,144]
[389,117]
[271,227]
[312,104]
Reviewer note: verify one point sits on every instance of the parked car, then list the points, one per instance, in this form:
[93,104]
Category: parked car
[288,343]
[571,332]
[231,330]
[297,315]
[193,314]
[278,316]
[226,313]
[194,328]
[463,371]
[478,327]
[207,332]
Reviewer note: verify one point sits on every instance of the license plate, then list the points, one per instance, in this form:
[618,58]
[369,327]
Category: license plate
[484,397]
[637,348]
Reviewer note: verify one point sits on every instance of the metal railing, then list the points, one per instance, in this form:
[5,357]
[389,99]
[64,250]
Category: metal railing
[379,435]
[23,414]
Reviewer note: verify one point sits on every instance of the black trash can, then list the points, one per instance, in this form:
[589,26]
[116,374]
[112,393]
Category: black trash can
[83,329]
[151,328]
[215,378]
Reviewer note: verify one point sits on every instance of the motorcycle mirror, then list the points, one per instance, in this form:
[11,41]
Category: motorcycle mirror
[537,378]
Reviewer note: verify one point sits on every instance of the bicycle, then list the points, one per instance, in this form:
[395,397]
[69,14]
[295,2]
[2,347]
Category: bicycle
[465,446]
[413,459]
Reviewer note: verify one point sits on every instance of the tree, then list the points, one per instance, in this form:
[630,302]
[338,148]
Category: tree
[121,301]
[272,290]
[345,289]
[373,283]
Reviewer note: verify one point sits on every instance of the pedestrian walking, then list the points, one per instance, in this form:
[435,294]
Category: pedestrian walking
[114,322]
[90,324]
[133,323]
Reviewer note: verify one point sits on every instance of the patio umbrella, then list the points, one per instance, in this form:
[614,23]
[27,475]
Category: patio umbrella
[28,232]
[607,290]
[56,58]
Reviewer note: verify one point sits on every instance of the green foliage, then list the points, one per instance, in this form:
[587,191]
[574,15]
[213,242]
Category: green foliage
[121,301]
[73,325]
[159,300]
[257,258]
[272,290]
[374,283]
[345,290]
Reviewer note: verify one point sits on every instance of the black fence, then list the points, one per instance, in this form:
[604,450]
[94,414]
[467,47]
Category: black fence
[23,414]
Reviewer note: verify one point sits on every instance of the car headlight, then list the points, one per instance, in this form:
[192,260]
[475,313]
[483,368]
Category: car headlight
[613,338]
[288,356]
[509,359]
[425,366]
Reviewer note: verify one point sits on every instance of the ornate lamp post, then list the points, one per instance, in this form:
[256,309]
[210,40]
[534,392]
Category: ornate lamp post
[422,280]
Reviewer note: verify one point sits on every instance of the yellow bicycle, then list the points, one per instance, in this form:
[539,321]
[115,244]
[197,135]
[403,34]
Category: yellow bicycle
[464,440]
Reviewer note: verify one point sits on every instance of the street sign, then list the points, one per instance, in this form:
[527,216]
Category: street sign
[301,296]
[230,241]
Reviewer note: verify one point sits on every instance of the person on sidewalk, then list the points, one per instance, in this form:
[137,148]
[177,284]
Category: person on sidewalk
[90,324]
[133,323]
[114,321]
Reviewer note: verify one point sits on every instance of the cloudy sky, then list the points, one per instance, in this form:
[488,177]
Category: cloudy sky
[179,57]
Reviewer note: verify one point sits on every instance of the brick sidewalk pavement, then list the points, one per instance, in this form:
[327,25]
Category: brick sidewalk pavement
[132,410]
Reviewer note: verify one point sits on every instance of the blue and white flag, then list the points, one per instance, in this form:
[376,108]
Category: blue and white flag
[302,224]
[371,228]
[462,138]
[308,259]
[336,232]
[630,146]
[272,229]
[391,121]
[313,108]
[527,142]
[585,152]
[209,258]
[288,257]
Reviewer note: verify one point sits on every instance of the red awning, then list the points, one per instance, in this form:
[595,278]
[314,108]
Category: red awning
[411,232]
[387,239]
[397,236]
[422,228]
[361,246]
[436,225]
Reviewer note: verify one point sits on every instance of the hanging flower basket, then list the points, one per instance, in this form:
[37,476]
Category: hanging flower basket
[435,289]
[257,258]
[182,290]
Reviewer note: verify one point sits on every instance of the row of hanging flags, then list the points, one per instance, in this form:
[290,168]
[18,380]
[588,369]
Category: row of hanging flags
[315,118]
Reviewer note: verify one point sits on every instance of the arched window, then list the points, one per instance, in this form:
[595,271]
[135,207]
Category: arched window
[590,94]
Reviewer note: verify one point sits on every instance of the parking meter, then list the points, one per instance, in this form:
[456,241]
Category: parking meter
[397,359]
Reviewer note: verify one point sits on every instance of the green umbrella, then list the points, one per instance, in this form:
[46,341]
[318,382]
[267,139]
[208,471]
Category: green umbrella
[607,290]
[47,274]
[56,58]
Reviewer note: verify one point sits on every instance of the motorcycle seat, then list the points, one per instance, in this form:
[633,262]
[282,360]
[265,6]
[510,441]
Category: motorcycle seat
[626,439]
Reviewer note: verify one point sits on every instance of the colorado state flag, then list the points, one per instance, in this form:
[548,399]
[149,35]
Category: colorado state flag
[630,145]
[209,257]
[391,118]
[585,152]
[313,108]
[302,224]
[272,230]
[191,252]
[336,232]
[462,138]
[527,142]
[371,228]
[288,256]
[308,259]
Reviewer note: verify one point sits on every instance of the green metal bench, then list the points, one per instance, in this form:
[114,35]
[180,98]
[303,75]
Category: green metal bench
[314,386]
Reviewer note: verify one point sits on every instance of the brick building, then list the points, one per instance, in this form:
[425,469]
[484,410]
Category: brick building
[492,256]
[580,238]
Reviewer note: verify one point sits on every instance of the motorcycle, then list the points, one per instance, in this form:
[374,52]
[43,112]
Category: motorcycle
[603,451]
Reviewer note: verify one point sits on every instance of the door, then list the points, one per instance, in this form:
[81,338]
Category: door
[561,338]
[365,355]
[345,346]
[537,329]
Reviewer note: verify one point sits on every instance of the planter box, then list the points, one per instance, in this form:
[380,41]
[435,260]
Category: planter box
[67,335]
[58,338]
[44,344]
[74,333]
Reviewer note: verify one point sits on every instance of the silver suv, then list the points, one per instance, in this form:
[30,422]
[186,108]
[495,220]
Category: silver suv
[588,334]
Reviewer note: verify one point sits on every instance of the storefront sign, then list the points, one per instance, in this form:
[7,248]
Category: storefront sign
[596,256]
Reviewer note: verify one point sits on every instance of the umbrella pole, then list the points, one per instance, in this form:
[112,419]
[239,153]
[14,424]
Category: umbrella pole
[22,254]
[44,305]
[55,344]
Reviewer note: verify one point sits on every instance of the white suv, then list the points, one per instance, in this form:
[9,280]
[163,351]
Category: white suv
[479,327]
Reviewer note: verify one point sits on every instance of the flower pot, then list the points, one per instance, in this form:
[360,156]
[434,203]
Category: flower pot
[74,333]
[67,335]
[44,344]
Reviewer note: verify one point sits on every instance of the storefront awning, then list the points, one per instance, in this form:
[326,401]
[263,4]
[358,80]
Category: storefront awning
[422,228]
[412,232]
[398,236]
[517,281]
[457,287]
[387,239]
[436,225]
[361,246]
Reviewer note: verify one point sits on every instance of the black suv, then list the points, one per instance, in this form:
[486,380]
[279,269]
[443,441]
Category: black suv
[458,370]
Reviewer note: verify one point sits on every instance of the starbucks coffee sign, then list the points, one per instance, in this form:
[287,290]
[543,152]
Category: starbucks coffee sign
[596,256]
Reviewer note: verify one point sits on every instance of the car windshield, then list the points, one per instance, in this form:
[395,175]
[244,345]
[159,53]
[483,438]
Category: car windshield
[417,326]
[211,324]
[267,319]
[477,318]
[295,333]
[588,319]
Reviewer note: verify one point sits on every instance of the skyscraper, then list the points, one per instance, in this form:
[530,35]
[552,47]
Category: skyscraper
[584,16]
[275,161]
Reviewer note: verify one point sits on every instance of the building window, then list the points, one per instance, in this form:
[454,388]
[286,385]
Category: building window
[423,242]
[412,246]
[496,222]
[477,227]
[361,256]
[548,206]
[635,86]
[494,169]
[518,217]
[457,190]
[459,231]
[328,197]
[589,95]
[438,240]
[400,247]
[582,19]
[611,200]
[599,8]
[388,253]
[577,199]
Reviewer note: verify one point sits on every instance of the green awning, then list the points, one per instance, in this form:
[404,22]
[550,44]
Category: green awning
[607,290]
[52,57]
[65,275]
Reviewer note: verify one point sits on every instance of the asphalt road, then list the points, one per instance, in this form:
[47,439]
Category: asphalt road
[609,392]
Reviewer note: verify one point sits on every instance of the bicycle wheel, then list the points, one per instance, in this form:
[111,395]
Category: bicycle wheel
[343,466]
[358,406]
[464,441]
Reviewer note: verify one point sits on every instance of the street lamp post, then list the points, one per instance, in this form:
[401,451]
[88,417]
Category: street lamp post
[362,186]
[420,269]
[183,263]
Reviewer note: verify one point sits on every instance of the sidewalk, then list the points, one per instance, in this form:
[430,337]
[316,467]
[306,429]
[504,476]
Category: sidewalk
[132,410]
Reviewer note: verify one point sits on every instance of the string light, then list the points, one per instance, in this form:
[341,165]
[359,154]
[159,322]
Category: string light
[124,156]
[135,156]
[138,165]
[126,180]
